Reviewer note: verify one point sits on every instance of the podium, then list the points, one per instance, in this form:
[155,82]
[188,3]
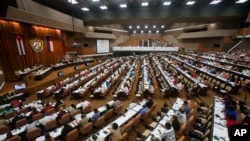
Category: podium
[28,79]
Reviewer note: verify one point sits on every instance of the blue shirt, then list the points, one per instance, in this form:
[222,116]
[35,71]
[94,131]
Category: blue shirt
[143,111]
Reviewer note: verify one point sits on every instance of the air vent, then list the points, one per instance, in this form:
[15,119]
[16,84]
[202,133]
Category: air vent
[195,30]
[103,31]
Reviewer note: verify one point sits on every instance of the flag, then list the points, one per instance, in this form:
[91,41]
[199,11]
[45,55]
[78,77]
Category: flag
[19,44]
[49,44]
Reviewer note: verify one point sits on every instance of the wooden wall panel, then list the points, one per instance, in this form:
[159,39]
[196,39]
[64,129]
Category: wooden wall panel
[11,61]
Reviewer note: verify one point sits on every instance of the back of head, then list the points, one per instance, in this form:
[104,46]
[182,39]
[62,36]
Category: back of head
[168,125]
[94,137]
[115,126]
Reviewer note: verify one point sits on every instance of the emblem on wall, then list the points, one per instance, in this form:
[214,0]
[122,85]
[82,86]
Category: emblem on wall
[37,45]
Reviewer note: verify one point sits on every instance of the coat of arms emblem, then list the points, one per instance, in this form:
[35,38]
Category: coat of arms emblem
[37,45]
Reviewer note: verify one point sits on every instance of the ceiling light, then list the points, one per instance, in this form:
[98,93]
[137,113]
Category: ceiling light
[157,31]
[146,26]
[162,26]
[144,4]
[167,3]
[190,2]
[103,7]
[142,31]
[138,26]
[154,26]
[95,0]
[134,31]
[123,5]
[72,1]
[215,1]
[241,1]
[149,31]
[130,26]
[85,9]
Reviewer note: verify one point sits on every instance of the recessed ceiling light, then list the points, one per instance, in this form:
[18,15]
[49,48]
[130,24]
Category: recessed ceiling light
[215,2]
[149,31]
[85,9]
[134,31]
[157,31]
[190,2]
[95,0]
[103,7]
[138,26]
[142,31]
[241,1]
[162,26]
[123,5]
[130,26]
[146,26]
[167,3]
[72,1]
[144,4]
[154,26]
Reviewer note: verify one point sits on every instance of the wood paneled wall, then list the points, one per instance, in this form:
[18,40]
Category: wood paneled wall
[11,61]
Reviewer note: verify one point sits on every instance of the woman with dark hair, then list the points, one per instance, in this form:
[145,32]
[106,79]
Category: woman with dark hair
[175,123]
[115,132]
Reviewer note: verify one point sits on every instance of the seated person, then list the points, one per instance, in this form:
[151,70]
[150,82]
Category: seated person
[181,115]
[7,110]
[72,109]
[46,107]
[84,120]
[143,110]
[58,102]
[150,102]
[15,119]
[60,114]
[15,103]
[33,112]
[48,137]
[186,107]
[116,103]
[115,132]
[66,129]
[175,123]
[95,138]
[96,115]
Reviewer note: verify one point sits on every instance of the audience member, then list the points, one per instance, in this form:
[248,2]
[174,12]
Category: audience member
[144,110]
[96,115]
[95,138]
[61,113]
[66,129]
[48,137]
[186,107]
[115,132]
[84,120]
[7,110]
[72,109]
[46,107]
[181,115]
[116,103]
[15,103]
[167,132]
[175,123]
[149,102]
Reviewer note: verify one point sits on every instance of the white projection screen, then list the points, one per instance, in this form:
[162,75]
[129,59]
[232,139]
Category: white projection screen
[102,46]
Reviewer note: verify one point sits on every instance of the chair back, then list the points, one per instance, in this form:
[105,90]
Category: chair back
[76,112]
[37,116]
[14,138]
[137,119]
[182,128]
[146,115]
[153,107]
[100,121]
[190,122]
[72,135]
[109,114]
[118,109]
[33,133]
[86,109]
[24,110]
[123,137]
[50,111]
[4,129]
[65,118]
[191,112]
[182,138]
[51,124]
[87,128]
[21,123]
[127,127]
[10,115]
